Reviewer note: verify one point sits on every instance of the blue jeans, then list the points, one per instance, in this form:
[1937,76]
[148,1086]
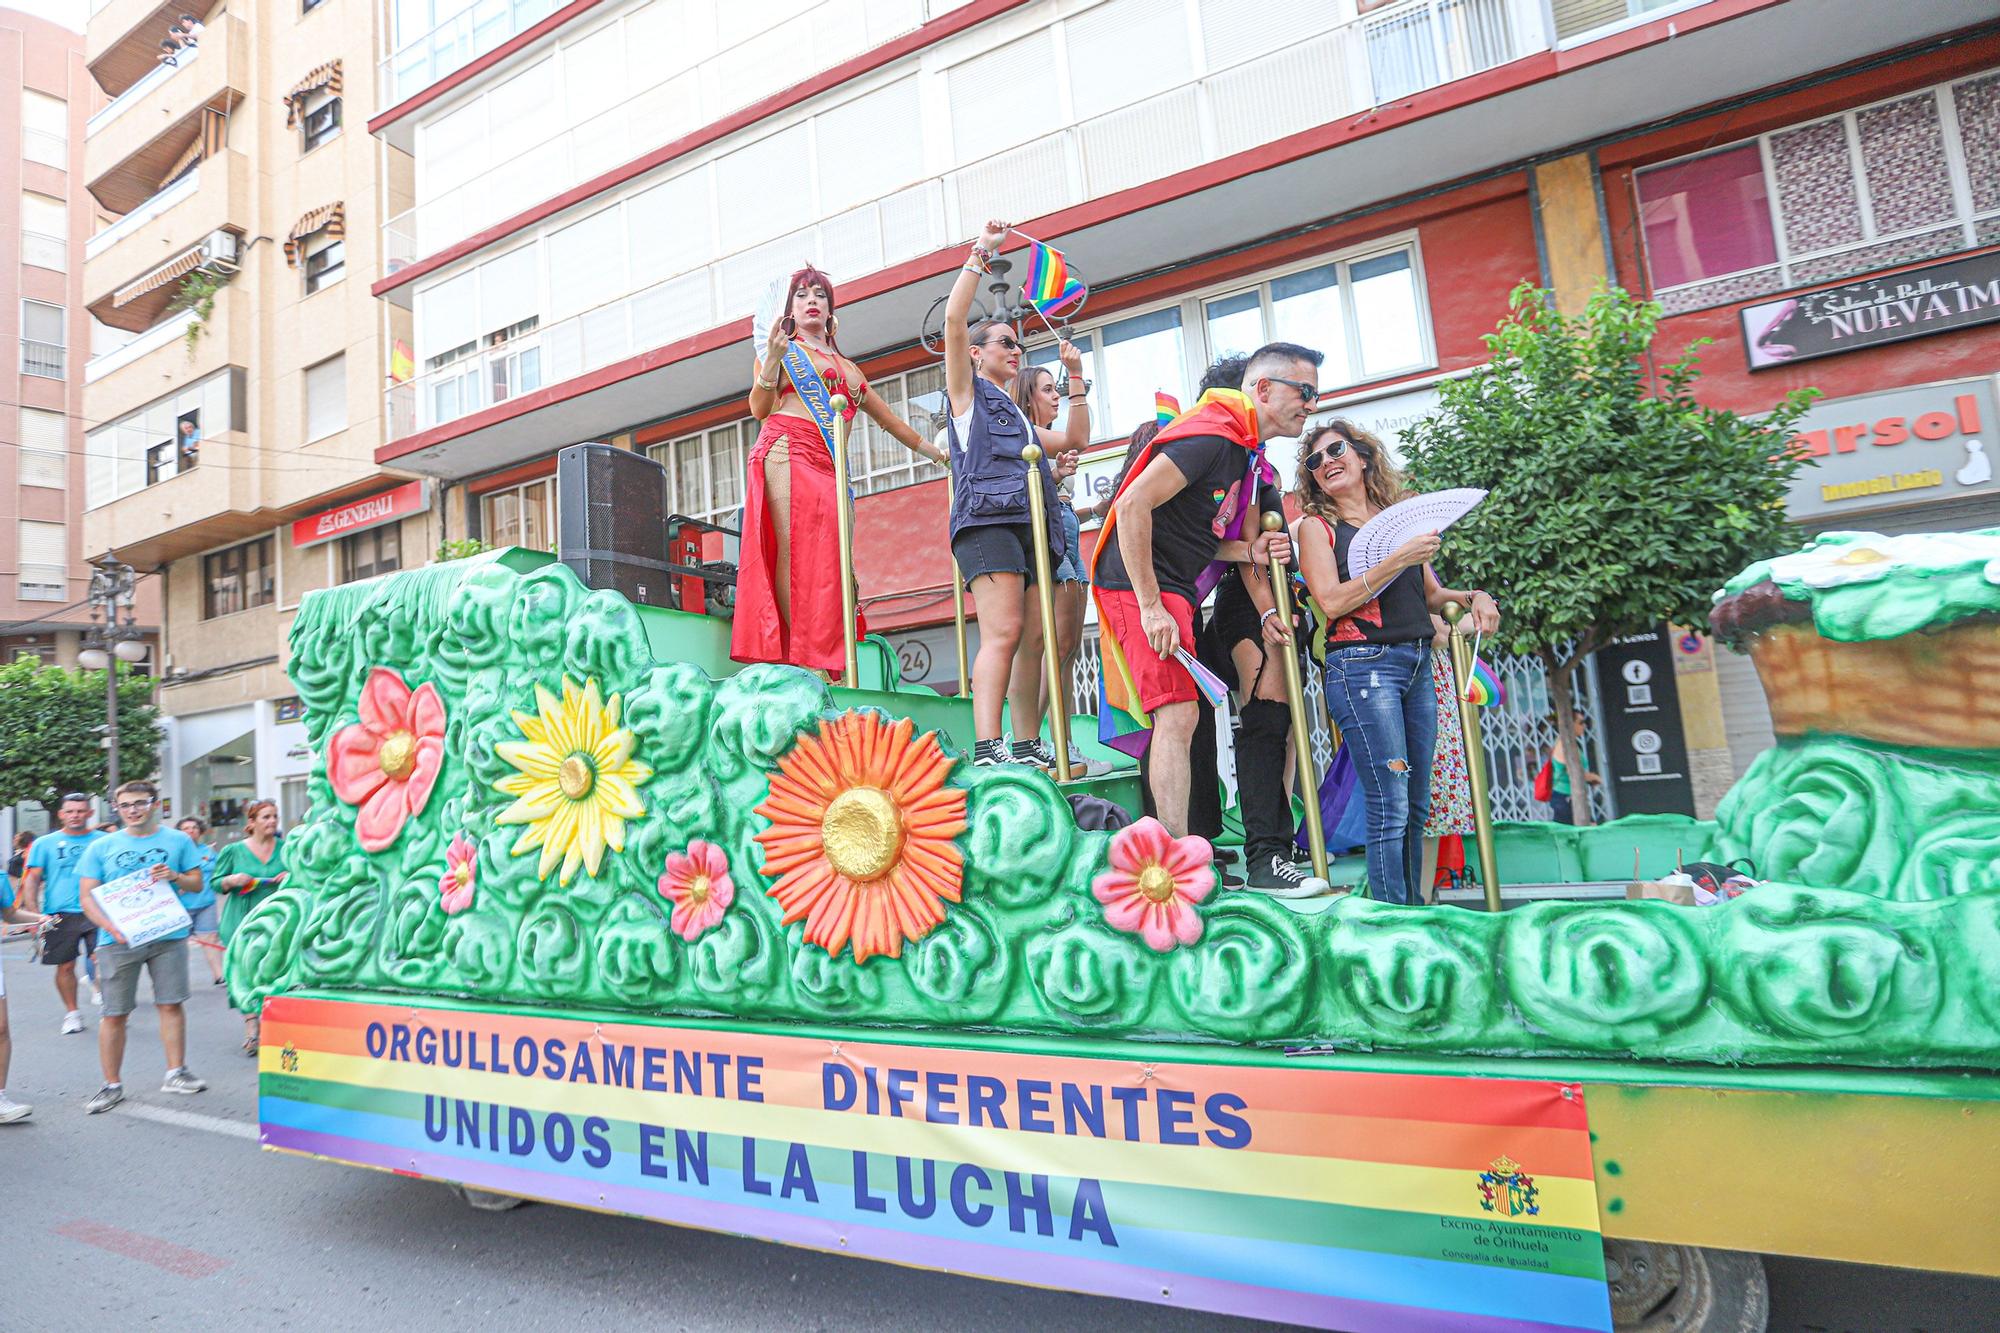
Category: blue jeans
[1382,698]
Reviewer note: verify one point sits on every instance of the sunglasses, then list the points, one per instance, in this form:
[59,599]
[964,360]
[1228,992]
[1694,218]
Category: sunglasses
[1314,460]
[1309,392]
[1002,341]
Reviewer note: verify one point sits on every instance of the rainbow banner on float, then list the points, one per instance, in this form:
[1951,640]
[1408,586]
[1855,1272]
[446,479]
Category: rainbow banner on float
[1317,1196]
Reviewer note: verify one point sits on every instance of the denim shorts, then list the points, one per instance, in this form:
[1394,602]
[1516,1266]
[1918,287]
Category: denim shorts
[204,918]
[118,973]
[1069,565]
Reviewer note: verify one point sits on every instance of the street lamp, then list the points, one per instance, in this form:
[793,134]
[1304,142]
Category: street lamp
[110,637]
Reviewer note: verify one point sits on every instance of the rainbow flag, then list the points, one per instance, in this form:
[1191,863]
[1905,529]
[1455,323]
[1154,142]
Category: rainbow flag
[1049,287]
[1165,407]
[1484,688]
[1289,1189]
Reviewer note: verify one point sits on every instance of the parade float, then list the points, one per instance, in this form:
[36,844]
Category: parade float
[583,913]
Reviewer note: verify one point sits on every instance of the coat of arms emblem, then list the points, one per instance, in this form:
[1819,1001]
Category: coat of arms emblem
[1506,1189]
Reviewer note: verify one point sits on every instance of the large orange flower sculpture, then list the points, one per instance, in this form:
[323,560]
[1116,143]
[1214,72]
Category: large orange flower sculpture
[861,834]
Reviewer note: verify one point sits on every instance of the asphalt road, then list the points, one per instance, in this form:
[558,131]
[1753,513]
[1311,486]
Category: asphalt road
[164,1211]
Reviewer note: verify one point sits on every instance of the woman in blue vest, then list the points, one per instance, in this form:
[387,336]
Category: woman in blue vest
[990,534]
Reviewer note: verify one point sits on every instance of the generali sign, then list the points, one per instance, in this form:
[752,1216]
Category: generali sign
[409,498]
[1898,447]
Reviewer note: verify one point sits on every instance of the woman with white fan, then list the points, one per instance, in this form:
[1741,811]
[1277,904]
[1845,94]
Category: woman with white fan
[1378,642]
[787,595]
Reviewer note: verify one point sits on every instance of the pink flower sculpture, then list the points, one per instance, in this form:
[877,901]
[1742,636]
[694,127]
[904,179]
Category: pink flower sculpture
[1154,882]
[387,763]
[698,883]
[461,868]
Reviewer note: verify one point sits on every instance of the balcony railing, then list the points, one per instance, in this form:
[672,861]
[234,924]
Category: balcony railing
[45,251]
[1438,40]
[132,96]
[456,43]
[159,335]
[44,583]
[42,358]
[167,197]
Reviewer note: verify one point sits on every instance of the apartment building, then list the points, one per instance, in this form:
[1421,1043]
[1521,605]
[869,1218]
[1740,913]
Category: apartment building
[233,393]
[45,218]
[604,188]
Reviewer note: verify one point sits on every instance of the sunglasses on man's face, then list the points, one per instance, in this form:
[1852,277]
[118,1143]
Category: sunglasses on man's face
[1317,458]
[1002,341]
[1309,392]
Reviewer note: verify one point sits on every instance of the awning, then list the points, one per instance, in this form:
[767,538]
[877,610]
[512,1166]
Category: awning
[327,76]
[332,218]
[179,266]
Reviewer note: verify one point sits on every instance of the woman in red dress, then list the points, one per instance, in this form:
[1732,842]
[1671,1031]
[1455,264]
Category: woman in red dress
[788,511]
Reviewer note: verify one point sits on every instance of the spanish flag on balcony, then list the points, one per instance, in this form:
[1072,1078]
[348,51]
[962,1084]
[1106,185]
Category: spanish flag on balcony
[1122,723]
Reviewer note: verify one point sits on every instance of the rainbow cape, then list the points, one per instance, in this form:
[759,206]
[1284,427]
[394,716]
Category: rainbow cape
[1121,723]
[1049,287]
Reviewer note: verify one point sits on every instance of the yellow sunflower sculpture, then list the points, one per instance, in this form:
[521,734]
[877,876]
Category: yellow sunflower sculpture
[578,782]
[861,834]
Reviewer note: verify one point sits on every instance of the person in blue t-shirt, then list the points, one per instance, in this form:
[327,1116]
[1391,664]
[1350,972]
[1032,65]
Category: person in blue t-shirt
[51,888]
[141,846]
[201,906]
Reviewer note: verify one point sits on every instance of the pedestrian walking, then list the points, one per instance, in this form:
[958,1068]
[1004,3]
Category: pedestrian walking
[50,883]
[17,864]
[11,1111]
[247,873]
[201,907]
[139,845]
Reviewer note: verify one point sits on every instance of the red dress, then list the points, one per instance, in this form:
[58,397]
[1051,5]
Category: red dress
[759,633]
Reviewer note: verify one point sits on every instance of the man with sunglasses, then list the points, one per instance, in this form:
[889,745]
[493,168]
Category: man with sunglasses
[1190,510]
[50,887]
[168,854]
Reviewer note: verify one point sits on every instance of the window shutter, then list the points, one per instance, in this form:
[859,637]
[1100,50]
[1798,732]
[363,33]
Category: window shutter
[1124,51]
[44,543]
[326,397]
[1004,97]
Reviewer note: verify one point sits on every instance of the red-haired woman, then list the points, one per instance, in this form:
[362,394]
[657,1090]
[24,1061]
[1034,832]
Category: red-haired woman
[788,512]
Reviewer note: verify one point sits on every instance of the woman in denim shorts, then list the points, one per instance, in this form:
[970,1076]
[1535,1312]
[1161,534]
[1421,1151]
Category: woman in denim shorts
[201,907]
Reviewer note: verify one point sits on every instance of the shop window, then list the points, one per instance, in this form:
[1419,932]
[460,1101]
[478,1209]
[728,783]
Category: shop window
[364,555]
[238,579]
[523,515]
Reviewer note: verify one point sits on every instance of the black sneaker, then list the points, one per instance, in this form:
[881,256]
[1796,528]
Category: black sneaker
[1279,878]
[1227,876]
[987,754]
[1036,753]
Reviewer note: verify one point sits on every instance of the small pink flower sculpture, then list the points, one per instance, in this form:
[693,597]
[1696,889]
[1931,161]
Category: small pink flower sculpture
[1154,882]
[461,868]
[387,763]
[698,883]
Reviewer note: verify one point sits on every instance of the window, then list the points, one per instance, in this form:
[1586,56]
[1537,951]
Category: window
[44,231]
[705,471]
[134,451]
[44,451]
[326,397]
[1896,182]
[1136,353]
[523,515]
[44,561]
[879,463]
[326,256]
[44,129]
[307,7]
[363,555]
[322,118]
[43,339]
[237,579]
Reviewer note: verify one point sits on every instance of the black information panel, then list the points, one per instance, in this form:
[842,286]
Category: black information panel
[1644,748]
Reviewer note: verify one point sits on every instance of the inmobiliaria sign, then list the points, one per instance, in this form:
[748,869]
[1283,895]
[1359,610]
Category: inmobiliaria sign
[373,512]
[1896,447]
[1915,304]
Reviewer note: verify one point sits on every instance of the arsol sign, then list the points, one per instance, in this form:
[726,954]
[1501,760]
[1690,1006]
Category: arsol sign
[1901,446]
[385,507]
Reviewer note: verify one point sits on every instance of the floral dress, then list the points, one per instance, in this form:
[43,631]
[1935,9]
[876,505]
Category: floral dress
[1451,781]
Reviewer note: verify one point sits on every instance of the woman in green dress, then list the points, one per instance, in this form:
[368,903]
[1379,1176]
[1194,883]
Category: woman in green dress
[245,874]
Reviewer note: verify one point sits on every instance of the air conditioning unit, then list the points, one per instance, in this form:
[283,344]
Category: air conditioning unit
[219,252]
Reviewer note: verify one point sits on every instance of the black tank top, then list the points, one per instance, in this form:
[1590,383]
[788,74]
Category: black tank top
[1398,613]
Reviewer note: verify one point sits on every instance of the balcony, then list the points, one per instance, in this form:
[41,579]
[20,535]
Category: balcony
[456,43]
[214,196]
[126,36]
[132,154]
[217,501]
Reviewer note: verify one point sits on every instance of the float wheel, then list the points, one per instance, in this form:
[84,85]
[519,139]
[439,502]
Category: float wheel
[486,1201]
[1658,1288]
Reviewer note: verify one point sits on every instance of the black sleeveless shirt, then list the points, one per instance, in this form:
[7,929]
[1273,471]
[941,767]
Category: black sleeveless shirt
[1398,613]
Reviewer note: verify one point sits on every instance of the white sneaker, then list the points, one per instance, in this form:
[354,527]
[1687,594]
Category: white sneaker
[183,1082]
[11,1110]
[1082,766]
[72,1022]
[97,997]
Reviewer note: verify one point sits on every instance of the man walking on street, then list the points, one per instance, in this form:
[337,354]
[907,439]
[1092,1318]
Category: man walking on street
[51,888]
[169,854]
[1190,508]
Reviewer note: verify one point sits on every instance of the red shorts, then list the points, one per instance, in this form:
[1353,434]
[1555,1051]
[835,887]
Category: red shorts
[1159,682]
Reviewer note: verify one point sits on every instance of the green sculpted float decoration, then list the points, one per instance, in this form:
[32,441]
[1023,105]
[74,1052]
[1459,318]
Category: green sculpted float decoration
[521,795]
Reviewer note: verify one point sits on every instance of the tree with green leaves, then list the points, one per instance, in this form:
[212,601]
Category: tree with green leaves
[1617,498]
[52,731]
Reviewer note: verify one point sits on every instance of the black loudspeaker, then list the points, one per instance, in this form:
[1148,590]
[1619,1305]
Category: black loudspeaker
[611,521]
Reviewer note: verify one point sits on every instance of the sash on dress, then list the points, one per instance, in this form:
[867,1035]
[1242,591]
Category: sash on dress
[812,391]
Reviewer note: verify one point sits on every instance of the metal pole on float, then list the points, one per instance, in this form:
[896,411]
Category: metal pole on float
[844,526]
[1475,757]
[1295,695]
[1045,596]
[957,597]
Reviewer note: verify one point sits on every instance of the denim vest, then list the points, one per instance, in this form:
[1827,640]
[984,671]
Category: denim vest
[988,475]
